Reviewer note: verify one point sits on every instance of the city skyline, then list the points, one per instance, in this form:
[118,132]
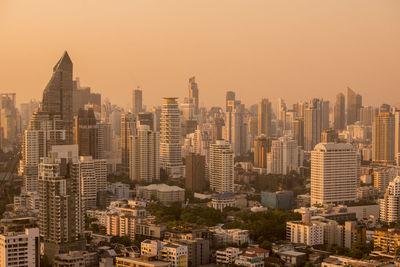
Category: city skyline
[277,51]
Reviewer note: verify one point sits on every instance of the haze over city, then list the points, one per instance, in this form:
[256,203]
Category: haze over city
[290,49]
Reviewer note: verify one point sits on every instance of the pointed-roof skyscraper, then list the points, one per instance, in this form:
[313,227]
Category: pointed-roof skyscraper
[57,96]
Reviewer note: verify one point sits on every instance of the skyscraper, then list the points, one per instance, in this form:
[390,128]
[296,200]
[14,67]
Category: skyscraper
[262,146]
[367,115]
[170,132]
[194,94]
[137,101]
[333,173]
[383,138]
[298,131]
[8,121]
[86,133]
[312,128]
[340,112]
[236,128]
[195,173]
[221,166]
[354,103]
[128,124]
[264,118]
[144,160]
[285,156]
[230,96]
[57,96]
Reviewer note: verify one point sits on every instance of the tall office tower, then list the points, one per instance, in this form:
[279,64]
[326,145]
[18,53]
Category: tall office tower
[194,94]
[236,128]
[86,134]
[92,174]
[43,132]
[385,108]
[333,173]
[220,169]
[144,161]
[216,129]
[195,173]
[61,217]
[115,120]
[324,106]
[157,118]
[389,206]
[312,128]
[137,101]
[230,96]
[290,117]
[20,248]
[285,156]
[298,131]
[8,120]
[281,109]
[253,126]
[82,96]
[329,136]
[262,146]
[264,118]
[339,121]
[397,135]
[146,118]
[170,132]
[27,110]
[57,96]
[354,103]
[104,139]
[382,177]
[383,138]
[367,115]
[128,124]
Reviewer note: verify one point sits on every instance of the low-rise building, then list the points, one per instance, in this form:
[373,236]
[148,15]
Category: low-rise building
[164,193]
[120,190]
[142,262]
[387,240]
[222,201]
[229,236]
[292,257]
[227,256]
[76,259]
[282,200]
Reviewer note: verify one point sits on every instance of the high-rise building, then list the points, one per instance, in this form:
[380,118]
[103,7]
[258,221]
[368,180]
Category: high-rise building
[230,96]
[389,207]
[82,96]
[382,177]
[383,138]
[264,118]
[285,156]
[146,118]
[195,173]
[236,128]
[367,115]
[27,110]
[298,131]
[86,133]
[144,160]
[61,217]
[137,101]
[216,131]
[354,104]
[329,136]
[44,131]
[221,166]
[57,96]
[128,124]
[20,248]
[397,135]
[339,122]
[194,94]
[92,174]
[333,173]
[312,128]
[8,121]
[170,132]
[262,146]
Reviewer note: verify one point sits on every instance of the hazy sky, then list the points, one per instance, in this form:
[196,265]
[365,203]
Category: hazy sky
[259,48]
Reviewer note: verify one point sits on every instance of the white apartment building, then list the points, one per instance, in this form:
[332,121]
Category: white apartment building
[305,233]
[221,167]
[390,204]
[230,236]
[150,247]
[120,190]
[144,160]
[20,249]
[175,254]
[333,173]
[170,134]
[285,156]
